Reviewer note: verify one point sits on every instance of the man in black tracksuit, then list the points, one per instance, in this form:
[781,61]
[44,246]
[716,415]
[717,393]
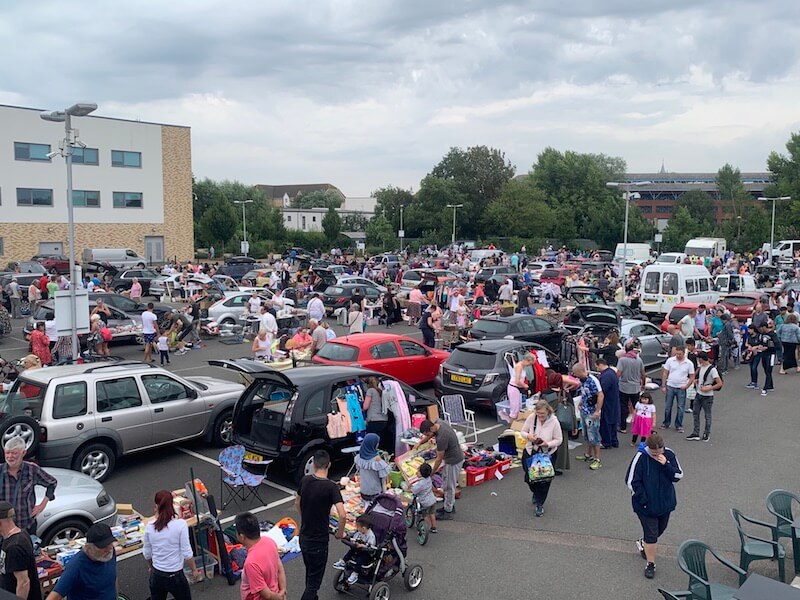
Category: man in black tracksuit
[651,478]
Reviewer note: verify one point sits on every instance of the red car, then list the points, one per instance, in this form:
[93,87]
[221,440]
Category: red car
[742,304]
[54,263]
[681,310]
[398,356]
[557,276]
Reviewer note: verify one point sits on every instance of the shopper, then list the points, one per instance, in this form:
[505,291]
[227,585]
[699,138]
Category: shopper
[17,561]
[559,388]
[263,577]
[609,415]
[315,497]
[426,325]
[676,376]
[644,418]
[150,331]
[373,471]
[19,481]
[92,573]
[40,344]
[708,381]
[651,476]
[630,369]
[790,338]
[590,406]
[543,434]
[449,454]
[376,411]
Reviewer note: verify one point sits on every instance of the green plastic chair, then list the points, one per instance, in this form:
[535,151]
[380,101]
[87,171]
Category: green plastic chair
[755,548]
[674,595]
[781,503]
[692,561]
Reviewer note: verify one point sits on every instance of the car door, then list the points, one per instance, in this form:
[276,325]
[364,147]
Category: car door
[417,365]
[547,335]
[178,413]
[651,339]
[384,357]
[121,408]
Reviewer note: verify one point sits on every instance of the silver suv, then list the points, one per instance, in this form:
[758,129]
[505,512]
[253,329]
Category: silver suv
[83,417]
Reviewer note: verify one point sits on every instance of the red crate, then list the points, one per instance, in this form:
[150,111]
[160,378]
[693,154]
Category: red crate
[504,466]
[476,475]
[490,471]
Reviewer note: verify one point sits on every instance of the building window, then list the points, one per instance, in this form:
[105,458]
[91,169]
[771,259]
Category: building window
[288,218]
[646,209]
[313,219]
[123,158]
[304,222]
[85,156]
[26,151]
[664,209]
[34,197]
[127,200]
[86,198]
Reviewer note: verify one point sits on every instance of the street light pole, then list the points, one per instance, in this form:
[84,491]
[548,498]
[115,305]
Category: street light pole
[245,245]
[627,186]
[65,116]
[772,230]
[454,207]
[402,231]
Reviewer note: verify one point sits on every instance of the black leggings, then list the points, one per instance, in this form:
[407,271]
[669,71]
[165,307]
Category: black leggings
[162,583]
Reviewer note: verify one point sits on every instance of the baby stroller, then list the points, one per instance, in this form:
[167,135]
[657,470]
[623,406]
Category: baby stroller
[389,554]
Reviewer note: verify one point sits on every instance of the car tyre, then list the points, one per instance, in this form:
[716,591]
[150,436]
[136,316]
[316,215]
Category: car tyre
[227,321]
[95,460]
[119,289]
[53,271]
[25,427]
[141,266]
[223,429]
[69,530]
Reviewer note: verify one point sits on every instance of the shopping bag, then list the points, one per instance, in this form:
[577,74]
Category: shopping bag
[565,413]
[540,468]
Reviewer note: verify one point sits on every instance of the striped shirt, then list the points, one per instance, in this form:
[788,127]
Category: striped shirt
[20,491]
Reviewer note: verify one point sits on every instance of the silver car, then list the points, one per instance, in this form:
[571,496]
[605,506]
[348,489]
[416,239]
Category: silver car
[234,305]
[654,341]
[79,502]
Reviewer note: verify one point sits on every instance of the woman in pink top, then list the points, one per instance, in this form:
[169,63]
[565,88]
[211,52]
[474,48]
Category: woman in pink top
[415,302]
[136,290]
[543,432]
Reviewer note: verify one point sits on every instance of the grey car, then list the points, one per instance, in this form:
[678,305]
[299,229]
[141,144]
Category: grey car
[79,502]
[124,327]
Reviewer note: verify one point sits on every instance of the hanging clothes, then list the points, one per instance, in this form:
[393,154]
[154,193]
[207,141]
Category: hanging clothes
[539,376]
[343,410]
[338,425]
[402,416]
[356,414]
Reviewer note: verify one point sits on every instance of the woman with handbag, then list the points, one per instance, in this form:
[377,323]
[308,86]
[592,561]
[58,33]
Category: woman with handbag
[558,397]
[543,433]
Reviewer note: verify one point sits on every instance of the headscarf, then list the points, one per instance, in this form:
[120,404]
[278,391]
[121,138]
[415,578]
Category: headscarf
[369,447]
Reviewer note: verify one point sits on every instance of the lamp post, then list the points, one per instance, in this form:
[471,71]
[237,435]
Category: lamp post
[245,245]
[402,233]
[70,141]
[455,207]
[627,185]
[772,231]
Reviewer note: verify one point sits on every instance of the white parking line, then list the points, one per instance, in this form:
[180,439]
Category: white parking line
[485,429]
[211,461]
[189,369]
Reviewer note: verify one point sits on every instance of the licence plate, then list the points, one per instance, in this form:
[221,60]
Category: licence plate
[648,301]
[460,378]
[253,457]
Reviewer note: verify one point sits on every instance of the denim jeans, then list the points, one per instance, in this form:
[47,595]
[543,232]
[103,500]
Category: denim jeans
[754,368]
[702,403]
[679,395]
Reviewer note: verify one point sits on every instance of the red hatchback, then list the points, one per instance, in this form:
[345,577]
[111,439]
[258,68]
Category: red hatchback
[398,356]
[681,310]
[557,276]
[742,304]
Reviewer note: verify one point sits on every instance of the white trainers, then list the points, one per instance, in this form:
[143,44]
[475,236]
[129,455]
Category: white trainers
[339,565]
[353,578]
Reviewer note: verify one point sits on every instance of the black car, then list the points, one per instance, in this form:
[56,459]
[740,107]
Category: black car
[496,273]
[283,416]
[123,280]
[237,266]
[129,306]
[600,316]
[519,327]
[339,295]
[480,371]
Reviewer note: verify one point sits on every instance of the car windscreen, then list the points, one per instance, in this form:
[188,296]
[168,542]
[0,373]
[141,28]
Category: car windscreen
[551,273]
[472,359]
[338,352]
[487,326]
[44,314]
[334,290]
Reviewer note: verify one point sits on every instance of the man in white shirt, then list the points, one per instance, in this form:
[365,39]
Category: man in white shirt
[677,376]
[316,309]
[274,280]
[506,291]
[149,331]
[688,324]
[268,324]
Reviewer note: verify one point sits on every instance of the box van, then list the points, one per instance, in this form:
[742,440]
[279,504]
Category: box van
[638,253]
[703,246]
[728,284]
[784,251]
[663,286]
[122,258]
[671,258]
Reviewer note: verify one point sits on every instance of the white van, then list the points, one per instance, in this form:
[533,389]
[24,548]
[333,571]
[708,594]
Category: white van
[638,253]
[671,258]
[122,258]
[663,286]
[784,251]
[703,246]
[728,284]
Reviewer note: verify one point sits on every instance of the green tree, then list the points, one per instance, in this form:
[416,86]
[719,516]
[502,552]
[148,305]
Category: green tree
[429,215]
[204,192]
[319,199]
[732,191]
[785,169]
[354,222]
[389,200]
[332,225]
[380,233]
[701,207]
[521,210]
[755,229]
[219,224]
[681,228]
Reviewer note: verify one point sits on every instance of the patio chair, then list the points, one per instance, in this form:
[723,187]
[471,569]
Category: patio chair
[692,561]
[458,416]
[674,595]
[755,548]
[780,503]
[236,483]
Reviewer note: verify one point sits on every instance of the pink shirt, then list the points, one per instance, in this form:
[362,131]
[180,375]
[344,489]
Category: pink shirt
[260,569]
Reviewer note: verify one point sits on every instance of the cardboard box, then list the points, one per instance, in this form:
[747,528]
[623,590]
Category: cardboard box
[125,509]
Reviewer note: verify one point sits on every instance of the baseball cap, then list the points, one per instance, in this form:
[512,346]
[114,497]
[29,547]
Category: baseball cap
[6,510]
[100,535]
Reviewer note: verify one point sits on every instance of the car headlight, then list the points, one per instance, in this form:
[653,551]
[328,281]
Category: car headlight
[103,498]
[490,377]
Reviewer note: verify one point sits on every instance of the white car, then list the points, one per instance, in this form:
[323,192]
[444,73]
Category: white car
[159,284]
[228,310]
[536,268]
[357,279]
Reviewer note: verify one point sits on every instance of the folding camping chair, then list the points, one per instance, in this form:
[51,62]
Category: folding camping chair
[239,483]
[458,416]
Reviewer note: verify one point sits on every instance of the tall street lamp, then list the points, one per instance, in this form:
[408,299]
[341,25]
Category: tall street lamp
[772,231]
[627,185]
[455,207]
[70,141]
[245,246]
[401,234]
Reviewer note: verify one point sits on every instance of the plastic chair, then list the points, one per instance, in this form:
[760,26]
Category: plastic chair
[754,548]
[674,595]
[692,561]
[458,416]
[239,483]
[780,504]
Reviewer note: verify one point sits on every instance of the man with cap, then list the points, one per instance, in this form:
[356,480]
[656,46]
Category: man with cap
[17,562]
[92,573]
[18,481]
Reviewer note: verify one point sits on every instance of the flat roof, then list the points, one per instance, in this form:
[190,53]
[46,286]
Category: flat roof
[93,116]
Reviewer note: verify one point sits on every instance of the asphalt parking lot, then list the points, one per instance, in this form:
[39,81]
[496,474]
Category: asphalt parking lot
[581,548]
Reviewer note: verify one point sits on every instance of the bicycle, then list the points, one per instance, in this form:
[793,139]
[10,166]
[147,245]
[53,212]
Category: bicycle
[415,515]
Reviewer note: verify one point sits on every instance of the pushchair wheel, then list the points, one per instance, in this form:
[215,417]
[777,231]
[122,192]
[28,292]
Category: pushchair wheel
[340,582]
[422,533]
[410,515]
[380,591]
[413,577]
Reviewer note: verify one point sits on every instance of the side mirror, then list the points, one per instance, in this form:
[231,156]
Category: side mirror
[193,394]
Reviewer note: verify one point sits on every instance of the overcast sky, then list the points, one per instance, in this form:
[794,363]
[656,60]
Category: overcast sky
[367,93]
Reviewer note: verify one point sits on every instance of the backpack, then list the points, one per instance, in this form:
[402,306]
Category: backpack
[705,378]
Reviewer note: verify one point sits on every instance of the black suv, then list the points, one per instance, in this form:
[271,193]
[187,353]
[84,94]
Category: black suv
[123,280]
[480,371]
[283,416]
[499,274]
[519,327]
[339,295]
[237,266]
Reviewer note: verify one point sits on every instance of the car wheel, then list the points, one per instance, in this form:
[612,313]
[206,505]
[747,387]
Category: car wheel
[95,460]
[141,266]
[53,271]
[139,339]
[227,321]
[223,429]
[413,577]
[21,426]
[119,289]
[305,466]
[65,532]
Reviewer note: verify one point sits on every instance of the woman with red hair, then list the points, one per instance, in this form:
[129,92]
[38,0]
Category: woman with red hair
[166,550]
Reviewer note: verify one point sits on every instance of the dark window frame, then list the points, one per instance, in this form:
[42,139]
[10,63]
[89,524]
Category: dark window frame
[119,158]
[21,148]
[31,202]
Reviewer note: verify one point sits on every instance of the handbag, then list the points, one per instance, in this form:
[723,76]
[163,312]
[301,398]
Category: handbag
[691,393]
[565,415]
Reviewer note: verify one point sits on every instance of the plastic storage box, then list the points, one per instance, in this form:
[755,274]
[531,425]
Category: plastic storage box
[211,564]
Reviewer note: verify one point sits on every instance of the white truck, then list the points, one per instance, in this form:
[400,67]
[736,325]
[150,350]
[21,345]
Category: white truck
[703,247]
[784,251]
[638,253]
